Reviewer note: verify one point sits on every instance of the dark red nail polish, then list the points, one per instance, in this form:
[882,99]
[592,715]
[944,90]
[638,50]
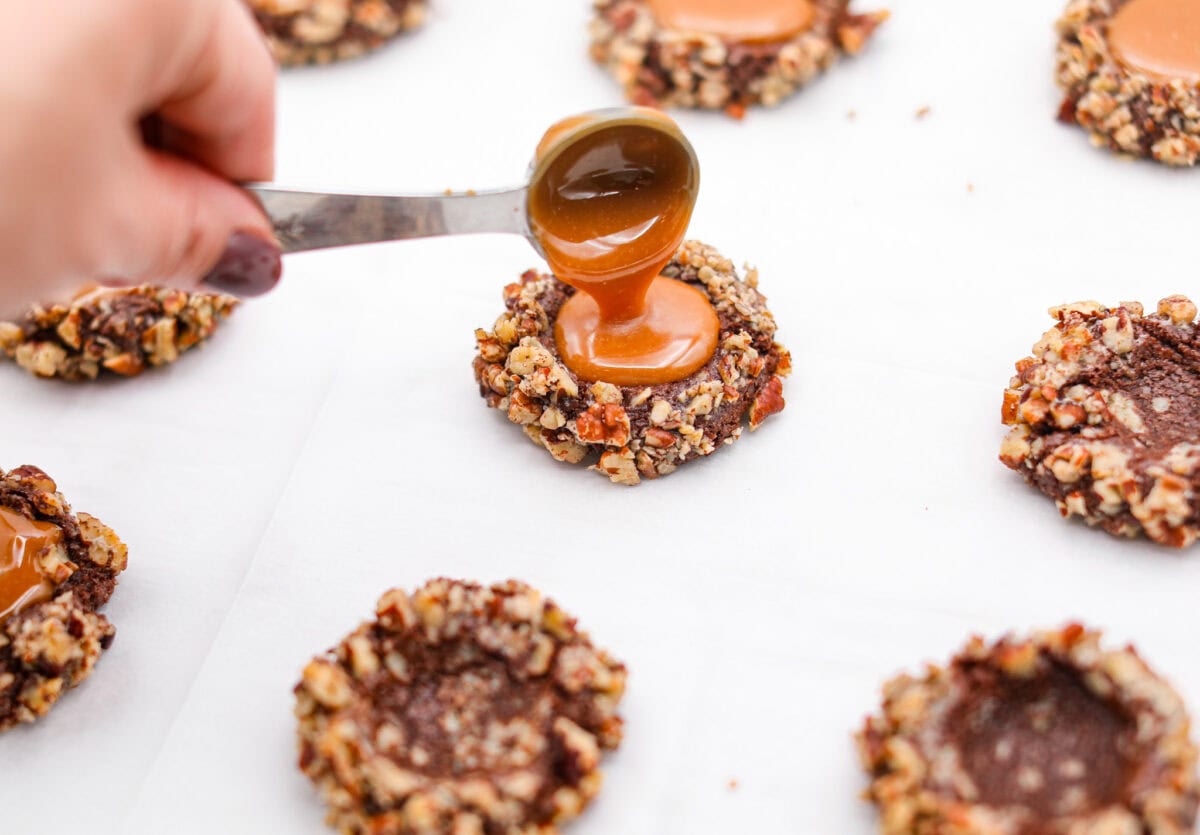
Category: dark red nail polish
[250,266]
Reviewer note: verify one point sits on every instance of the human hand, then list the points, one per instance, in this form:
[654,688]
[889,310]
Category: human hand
[126,123]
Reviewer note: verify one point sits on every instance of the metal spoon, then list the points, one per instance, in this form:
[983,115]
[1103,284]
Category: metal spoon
[306,220]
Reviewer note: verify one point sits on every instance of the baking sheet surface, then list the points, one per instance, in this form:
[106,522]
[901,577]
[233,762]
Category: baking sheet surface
[329,443]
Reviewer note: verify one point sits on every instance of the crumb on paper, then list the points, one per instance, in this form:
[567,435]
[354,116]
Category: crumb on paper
[923,111]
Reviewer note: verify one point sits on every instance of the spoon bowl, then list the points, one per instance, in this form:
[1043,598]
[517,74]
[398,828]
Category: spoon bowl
[307,220]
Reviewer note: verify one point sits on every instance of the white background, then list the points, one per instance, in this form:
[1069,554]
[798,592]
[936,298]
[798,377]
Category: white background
[329,443]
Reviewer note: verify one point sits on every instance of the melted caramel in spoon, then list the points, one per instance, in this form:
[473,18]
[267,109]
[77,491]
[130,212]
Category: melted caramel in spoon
[609,203]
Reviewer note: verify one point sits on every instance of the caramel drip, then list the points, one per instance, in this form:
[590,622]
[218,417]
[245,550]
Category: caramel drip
[22,541]
[741,21]
[1159,38]
[609,204]
[674,339]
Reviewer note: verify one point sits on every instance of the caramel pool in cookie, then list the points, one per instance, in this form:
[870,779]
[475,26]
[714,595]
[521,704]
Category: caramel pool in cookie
[1160,38]
[22,542]
[746,21]
[610,201]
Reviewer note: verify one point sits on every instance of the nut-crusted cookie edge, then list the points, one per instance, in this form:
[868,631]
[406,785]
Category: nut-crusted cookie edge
[123,331]
[53,646]
[636,431]
[358,769]
[661,67]
[892,754]
[1060,441]
[1123,110]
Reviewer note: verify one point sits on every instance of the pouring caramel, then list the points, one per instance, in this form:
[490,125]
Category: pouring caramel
[609,203]
[1160,38]
[22,540]
[743,21]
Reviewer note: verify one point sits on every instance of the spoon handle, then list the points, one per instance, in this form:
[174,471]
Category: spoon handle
[305,220]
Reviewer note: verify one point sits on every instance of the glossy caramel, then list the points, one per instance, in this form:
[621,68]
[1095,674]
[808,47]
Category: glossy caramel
[22,540]
[1159,38]
[741,21]
[653,348]
[609,203]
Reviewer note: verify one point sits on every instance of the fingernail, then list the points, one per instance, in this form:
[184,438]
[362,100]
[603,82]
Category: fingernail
[250,266]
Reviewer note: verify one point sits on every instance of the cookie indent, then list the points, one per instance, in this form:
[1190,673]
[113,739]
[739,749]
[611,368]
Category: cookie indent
[1045,743]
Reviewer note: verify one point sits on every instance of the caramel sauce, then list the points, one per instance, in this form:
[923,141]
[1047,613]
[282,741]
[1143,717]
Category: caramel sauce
[21,541]
[742,21]
[1160,38]
[609,203]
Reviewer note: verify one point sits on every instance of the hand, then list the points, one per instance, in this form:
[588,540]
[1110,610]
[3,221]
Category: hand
[84,196]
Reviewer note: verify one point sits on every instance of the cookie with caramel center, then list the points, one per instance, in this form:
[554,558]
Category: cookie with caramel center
[635,432]
[57,568]
[724,55]
[1130,75]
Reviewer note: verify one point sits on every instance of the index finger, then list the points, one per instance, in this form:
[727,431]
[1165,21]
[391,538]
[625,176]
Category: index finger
[216,93]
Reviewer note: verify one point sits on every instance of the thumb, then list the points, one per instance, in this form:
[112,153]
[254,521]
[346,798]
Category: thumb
[192,229]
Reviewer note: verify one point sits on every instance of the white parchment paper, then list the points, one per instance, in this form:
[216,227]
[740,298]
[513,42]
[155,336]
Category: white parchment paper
[329,443]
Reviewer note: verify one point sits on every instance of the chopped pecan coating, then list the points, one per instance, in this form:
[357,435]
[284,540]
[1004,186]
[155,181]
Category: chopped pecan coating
[1049,735]
[662,67]
[460,709]
[52,646]
[322,31]
[635,432]
[1105,418]
[122,331]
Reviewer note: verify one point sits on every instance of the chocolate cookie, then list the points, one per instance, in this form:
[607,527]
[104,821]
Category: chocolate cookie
[636,431]
[123,331]
[322,31]
[56,569]
[460,709]
[1049,735]
[662,66]
[1106,418]
[1122,106]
